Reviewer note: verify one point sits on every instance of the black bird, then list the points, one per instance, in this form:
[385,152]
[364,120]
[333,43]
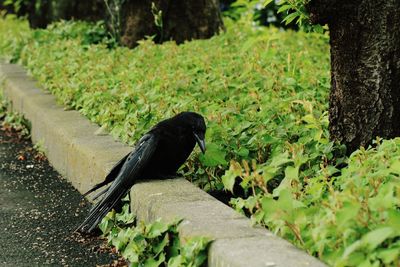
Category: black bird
[157,155]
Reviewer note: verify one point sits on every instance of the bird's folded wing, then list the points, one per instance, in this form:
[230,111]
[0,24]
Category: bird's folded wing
[136,161]
[109,178]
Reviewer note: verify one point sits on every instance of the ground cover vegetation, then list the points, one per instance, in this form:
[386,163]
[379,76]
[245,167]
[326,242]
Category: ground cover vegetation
[153,244]
[12,121]
[264,93]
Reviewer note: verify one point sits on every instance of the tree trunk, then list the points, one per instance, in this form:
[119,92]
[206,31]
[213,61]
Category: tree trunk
[181,20]
[43,12]
[39,15]
[365,68]
[88,10]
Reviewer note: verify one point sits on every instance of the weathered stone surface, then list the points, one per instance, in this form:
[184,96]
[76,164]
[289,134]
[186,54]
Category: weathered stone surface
[265,250]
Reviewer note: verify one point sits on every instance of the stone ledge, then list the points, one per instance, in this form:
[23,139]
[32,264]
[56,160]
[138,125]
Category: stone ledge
[84,158]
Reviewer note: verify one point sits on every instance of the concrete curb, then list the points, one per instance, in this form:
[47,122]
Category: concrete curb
[84,158]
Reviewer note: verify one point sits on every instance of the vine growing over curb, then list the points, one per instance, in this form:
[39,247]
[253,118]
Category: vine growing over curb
[153,244]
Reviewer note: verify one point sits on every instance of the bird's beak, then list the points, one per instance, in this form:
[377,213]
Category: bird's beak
[200,142]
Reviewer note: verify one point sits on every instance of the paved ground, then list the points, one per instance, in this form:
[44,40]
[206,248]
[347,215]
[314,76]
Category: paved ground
[38,212]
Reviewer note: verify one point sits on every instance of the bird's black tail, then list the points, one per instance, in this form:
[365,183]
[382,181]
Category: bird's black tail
[100,210]
[123,176]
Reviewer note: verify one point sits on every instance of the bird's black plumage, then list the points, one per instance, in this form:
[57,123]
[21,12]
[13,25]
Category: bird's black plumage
[157,155]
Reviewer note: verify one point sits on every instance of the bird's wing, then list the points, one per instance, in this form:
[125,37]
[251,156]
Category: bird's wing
[133,165]
[109,178]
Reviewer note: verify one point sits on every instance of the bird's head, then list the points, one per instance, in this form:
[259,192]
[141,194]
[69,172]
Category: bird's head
[195,124]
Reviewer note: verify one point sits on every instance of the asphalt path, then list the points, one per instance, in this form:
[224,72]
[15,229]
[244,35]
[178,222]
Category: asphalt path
[39,211]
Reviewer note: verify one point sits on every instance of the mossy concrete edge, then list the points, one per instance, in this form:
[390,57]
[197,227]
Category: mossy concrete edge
[84,157]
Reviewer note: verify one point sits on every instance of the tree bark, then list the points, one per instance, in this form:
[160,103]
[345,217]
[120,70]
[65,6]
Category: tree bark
[39,17]
[182,20]
[43,12]
[365,68]
[88,10]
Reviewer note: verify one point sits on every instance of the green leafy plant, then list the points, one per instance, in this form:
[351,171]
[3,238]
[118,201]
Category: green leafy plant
[295,11]
[244,10]
[16,30]
[13,120]
[40,150]
[158,20]
[17,122]
[154,244]
[347,217]
[298,12]
[88,33]
[15,4]
[249,116]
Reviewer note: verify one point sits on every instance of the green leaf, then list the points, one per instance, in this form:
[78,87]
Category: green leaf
[355,259]
[228,179]
[389,256]
[280,159]
[107,223]
[121,240]
[243,152]
[268,139]
[318,29]
[395,166]
[292,173]
[284,8]
[377,236]
[152,262]
[267,2]
[394,220]
[289,18]
[347,213]
[176,261]
[351,249]
[214,156]
[268,205]
[156,229]
[158,248]
[131,253]
[125,216]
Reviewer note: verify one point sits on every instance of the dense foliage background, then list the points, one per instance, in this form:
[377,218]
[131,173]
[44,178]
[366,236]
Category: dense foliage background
[264,93]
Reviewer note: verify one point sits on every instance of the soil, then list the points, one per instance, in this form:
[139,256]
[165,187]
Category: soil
[39,211]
